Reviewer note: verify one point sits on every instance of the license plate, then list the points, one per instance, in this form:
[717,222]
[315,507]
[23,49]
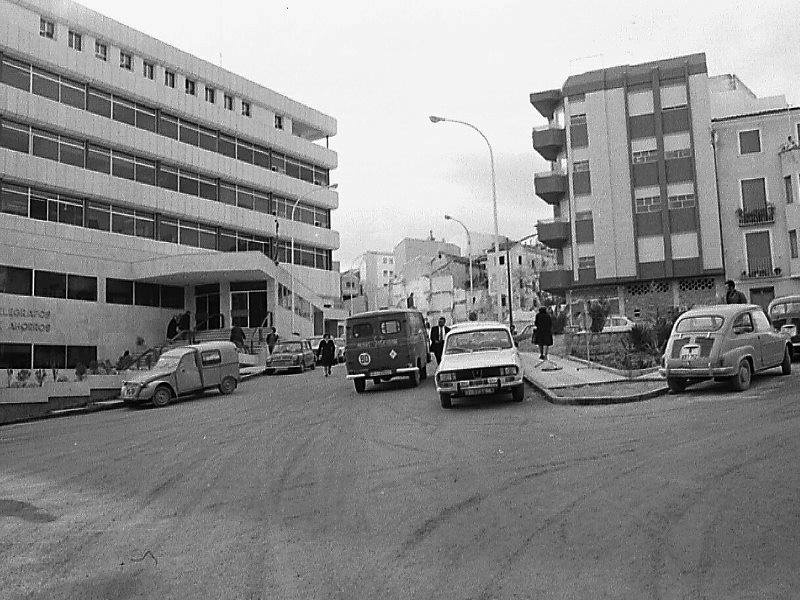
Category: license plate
[130,391]
[379,373]
[690,352]
[477,391]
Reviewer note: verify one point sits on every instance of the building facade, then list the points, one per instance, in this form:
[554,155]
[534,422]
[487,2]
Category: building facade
[375,272]
[525,263]
[137,181]
[410,249]
[632,185]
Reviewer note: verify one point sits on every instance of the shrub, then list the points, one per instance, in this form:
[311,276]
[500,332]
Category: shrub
[641,338]
[560,322]
[55,374]
[9,377]
[80,371]
[23,375]
[598,311]
[93,367]
[62,379]
[40,374]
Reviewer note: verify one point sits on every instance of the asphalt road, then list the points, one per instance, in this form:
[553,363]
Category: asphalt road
[296,487]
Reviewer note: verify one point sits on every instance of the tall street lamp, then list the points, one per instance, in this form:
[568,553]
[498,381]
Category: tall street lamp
[469,246]
[435,119]
[331,186]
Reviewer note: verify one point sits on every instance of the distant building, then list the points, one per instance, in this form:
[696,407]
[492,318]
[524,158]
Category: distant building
[350,284]
[376,269]
[410,248]
[526,263]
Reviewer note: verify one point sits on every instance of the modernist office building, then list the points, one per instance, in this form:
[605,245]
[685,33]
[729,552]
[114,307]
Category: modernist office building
[138,181]
[632,185]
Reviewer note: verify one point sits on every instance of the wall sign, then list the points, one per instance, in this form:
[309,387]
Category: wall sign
[25,319]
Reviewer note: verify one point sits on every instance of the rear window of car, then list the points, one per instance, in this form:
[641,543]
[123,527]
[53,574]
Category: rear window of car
[700,324]
[778,310]
[362,330]
[211,357]
[390,327]
[288,347]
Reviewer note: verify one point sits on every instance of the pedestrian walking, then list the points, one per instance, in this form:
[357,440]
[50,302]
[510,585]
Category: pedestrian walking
[437,338]
[272,339]
[543,334]
[734,296]
[326,352]
[238,337]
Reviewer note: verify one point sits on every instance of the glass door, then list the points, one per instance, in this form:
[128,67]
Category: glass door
[239,309]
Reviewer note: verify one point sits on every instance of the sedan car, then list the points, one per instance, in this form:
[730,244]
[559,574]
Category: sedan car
[295,355]
[726,342]
[479,359]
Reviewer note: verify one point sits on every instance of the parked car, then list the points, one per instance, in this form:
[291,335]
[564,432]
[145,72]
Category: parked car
[785,315]
[479,359]
[526,333]
[617,324]
[291,355]
[383,344]
[314,343]
[185,371]
[339,349]
[726,342]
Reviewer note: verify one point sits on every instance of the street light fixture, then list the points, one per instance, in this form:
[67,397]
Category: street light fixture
[331,186]
[435,119]
[469,246]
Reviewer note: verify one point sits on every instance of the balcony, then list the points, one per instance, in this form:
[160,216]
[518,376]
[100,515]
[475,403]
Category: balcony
[546,102]
[557,280]
[550,186]
[549,141]
[761,267]
[756,216]
[554,232]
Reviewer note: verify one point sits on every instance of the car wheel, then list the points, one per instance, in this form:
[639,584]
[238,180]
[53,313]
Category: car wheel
[162,396]
[414,378]
[786,365]
[228,385]
[360,385]
[445,400]
[518,393]
[302,367]
[741,381]
[676,384]
[313,365]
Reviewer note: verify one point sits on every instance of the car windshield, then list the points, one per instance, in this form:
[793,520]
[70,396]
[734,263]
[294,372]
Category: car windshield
[169,360]
[700,324]
[478,341]
[778,310]
[287,347]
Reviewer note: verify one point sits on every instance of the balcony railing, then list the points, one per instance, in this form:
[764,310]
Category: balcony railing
[761,267]
[756,216]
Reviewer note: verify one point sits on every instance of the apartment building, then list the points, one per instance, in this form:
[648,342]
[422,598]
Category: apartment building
[375,272]
[632,185]
[525,263]
[137,181]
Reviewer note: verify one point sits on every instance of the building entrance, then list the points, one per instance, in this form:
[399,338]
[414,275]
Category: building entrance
[206,307]
[249,304]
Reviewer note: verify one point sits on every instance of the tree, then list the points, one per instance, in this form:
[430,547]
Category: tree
[598,311]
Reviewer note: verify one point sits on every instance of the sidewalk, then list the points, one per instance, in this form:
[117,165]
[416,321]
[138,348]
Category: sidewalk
[567,381]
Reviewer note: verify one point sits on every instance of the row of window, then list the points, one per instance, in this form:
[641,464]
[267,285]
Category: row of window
[45,356]
[675,202]
[30,78]
[75,41]
[648,156]
[50,206]
[586,262]
[79,153]
[50,284]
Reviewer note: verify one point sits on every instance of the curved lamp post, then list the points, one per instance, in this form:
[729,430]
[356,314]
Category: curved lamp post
[435,119]
[469,246]
[332,186]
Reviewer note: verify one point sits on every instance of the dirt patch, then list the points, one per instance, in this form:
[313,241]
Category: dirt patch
[614,389]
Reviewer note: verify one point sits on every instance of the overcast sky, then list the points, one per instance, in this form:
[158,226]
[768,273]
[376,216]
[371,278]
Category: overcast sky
[380,68]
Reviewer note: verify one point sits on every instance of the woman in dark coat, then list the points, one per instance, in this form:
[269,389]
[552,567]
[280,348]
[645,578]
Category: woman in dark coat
[543,336]
[327,353]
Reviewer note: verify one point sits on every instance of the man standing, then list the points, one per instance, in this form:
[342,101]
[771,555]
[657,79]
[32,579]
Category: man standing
[734,296]
[437,339]
[272,339]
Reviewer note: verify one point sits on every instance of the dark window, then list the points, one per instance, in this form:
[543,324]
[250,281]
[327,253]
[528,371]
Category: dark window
[321,176]
[189,133]
[119,291]
[16,74]
[99,159]
[168,126]
[306,173]
[390,327]
[169,79]
[171,296]
[244,197]
[48,284]
[14,136]
[80,354]
[642,126]
[261,157]
[207,237]
[579,134]
[145,118]
[211,357]
[126,61]
[168,231]
[261,203]
[168,178]
[145,171]
[188,234]
[71,152]
[145,225]
[244,152]
[208,139]
[227,241]
[123,166]
[189,183]
[148,69]
[14,280]
[675,119]
[46,356]
[793,243]
[45,144]
[502,259]
[39,201]
[278,122]
[73,93]
[227,194]
[147,294]
[749,141]
[245,108]
[124,112]
[99,103]
[98,216]
[227,146]
[787,184]
[15,356]
[189,87]
[45,84]
[70,211]
[122,221]
[208,188]
[82,288]
[754,194]
[47,29]
[292,168]
[75,40]
[362,330]
[228,102]
[100,50]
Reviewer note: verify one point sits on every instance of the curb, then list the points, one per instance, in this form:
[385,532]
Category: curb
[66,412]
[599,400]
[620,372]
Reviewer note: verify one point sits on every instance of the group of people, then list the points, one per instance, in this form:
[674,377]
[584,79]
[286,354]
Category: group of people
[180,325]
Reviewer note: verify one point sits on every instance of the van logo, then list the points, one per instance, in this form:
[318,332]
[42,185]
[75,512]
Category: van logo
[393,354]
[364,358]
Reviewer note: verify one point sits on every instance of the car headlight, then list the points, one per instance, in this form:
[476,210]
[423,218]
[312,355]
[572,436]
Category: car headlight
[444,377]
[508,370]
